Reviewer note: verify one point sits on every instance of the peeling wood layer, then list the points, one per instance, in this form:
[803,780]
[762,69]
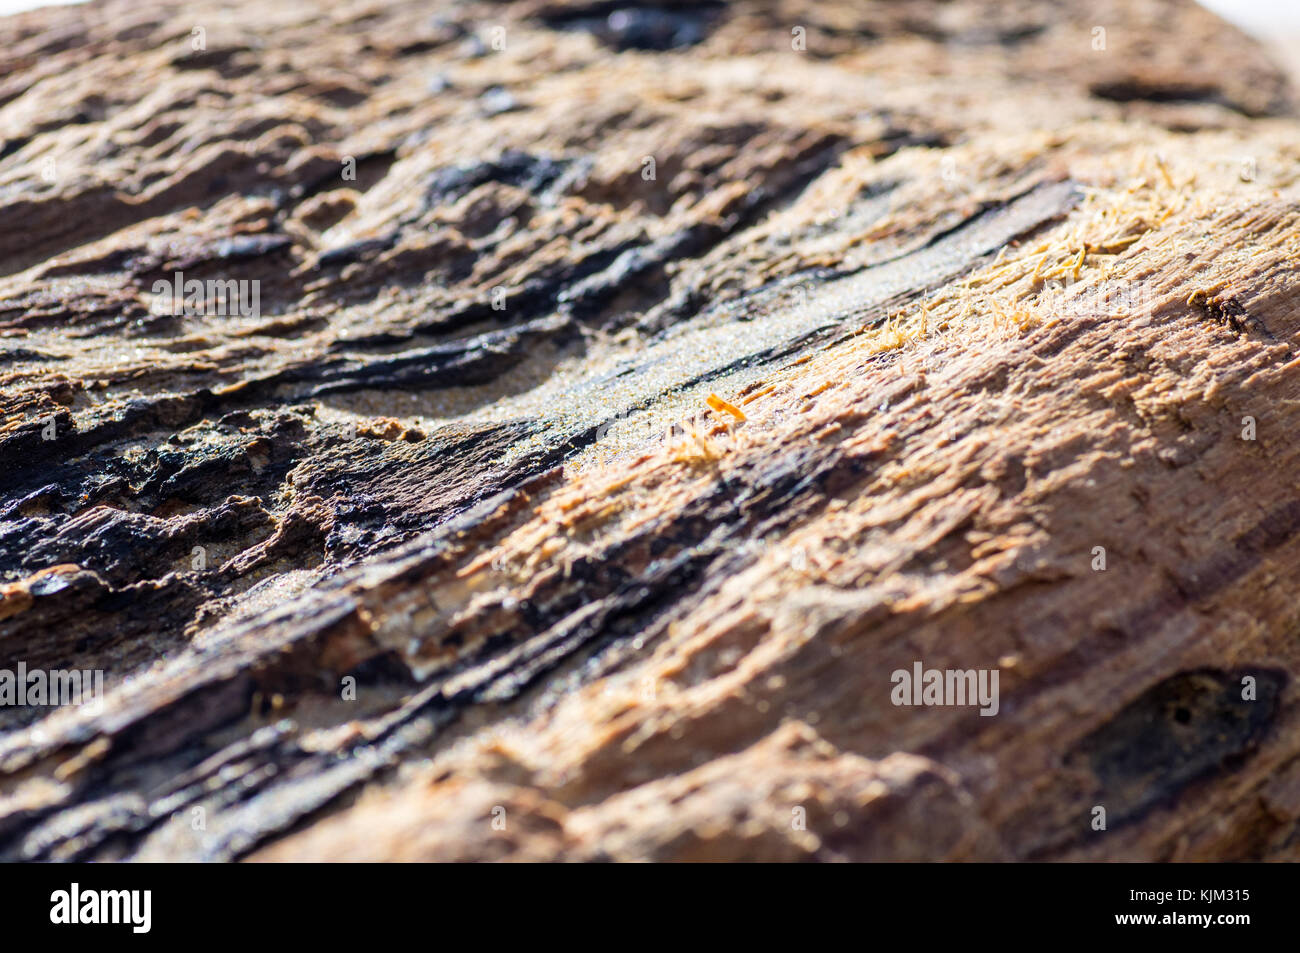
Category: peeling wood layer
[629,393]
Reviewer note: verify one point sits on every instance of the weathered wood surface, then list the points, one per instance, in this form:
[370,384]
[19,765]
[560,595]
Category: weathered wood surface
[986,295]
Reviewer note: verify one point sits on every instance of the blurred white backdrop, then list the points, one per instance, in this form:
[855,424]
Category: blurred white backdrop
[1275,22]
[1260,17]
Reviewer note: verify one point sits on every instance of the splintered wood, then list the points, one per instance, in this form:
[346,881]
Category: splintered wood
[648,437]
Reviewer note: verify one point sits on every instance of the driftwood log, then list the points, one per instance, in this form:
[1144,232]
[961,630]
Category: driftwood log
[588,409]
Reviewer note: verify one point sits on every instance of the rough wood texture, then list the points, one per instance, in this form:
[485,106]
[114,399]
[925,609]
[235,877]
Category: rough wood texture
[903,326]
